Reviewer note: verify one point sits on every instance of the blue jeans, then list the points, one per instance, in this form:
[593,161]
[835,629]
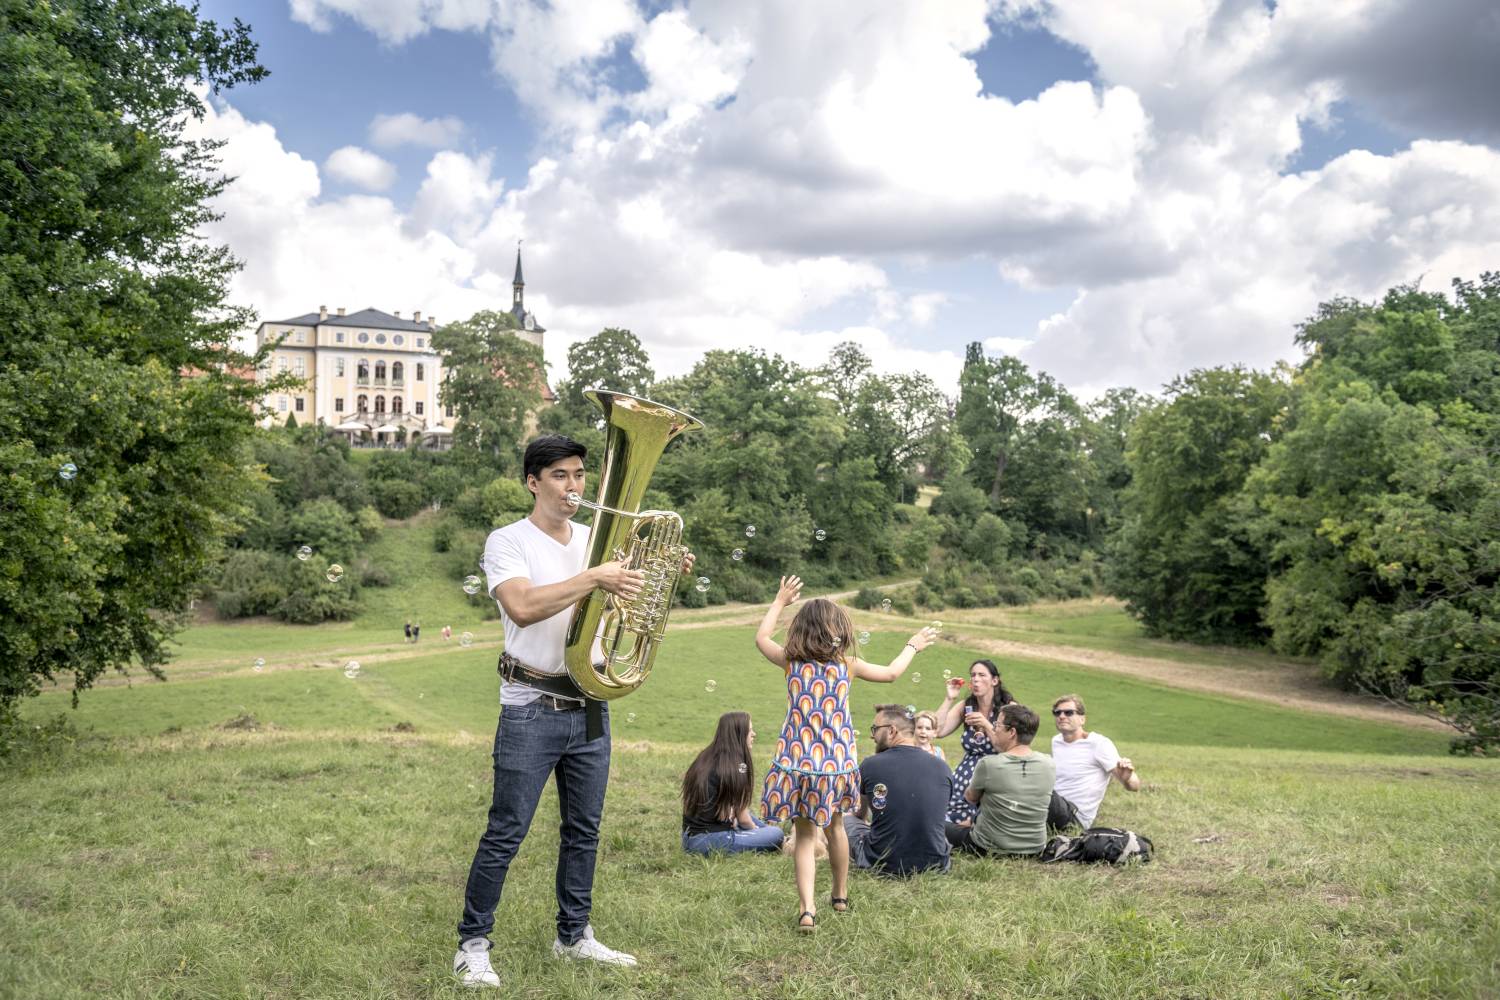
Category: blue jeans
[762,838]
[533,742]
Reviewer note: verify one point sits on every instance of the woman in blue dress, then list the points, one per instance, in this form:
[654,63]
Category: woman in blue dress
[977,714]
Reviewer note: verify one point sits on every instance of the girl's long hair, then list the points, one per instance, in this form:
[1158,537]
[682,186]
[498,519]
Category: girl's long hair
[728,757]
[1002,697]
[821,632]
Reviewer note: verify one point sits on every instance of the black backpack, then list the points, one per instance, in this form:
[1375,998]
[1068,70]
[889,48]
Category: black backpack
[1099,844]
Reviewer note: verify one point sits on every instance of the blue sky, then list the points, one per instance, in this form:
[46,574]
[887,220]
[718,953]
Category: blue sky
[691,148]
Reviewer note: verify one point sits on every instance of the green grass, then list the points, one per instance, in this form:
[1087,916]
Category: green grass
[324,855]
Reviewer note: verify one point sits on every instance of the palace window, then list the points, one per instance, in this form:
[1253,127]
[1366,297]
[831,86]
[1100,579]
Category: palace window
[397,370]
[281,403]
[379,404]
[448,409]
[301,336]
[419,341]
[338,338]
[338,405]
[380,371]
[364,338]
[395,404]
[281,365]
[397,339]
[421,370]
[418,405]
[362,404]
[362,370]
[299,367]
[380,338]
[338,367]
[299,404]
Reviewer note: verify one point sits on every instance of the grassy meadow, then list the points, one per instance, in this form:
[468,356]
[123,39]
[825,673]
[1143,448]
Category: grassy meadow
[293,833]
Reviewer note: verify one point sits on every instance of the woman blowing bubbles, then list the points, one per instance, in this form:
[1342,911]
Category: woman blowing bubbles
[977,714]
[814,776]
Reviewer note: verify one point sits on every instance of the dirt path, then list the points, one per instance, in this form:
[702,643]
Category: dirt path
[1291,686]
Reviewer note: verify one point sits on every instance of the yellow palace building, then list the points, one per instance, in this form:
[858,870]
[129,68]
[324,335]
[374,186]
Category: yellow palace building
[371,374]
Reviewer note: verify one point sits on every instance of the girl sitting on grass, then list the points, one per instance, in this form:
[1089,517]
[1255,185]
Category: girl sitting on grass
[716,794]
[814,775]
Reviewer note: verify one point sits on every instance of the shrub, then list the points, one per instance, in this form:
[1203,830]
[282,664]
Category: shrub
[373,575]
[310,598]
[397,498]
[249,583]
[325,526]
[868,599]
[369,523]
[443,534]
[494,505]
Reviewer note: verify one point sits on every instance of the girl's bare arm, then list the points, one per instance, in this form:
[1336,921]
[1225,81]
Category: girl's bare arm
[874,672]
[786,594]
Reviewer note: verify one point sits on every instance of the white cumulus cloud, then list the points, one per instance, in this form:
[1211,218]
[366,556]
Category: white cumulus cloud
[360,167]
[407,129]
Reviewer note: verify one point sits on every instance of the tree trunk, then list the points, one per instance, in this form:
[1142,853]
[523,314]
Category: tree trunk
[1000,462]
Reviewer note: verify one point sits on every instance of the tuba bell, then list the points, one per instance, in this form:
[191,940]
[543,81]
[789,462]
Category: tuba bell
[612,641]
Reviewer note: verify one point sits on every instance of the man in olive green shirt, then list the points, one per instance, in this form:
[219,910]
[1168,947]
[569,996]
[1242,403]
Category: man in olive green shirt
[1012,788]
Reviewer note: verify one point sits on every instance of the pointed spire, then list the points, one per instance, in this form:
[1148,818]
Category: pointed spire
[519,280]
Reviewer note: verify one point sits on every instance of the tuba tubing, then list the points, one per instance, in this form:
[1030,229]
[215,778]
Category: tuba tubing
[612,642]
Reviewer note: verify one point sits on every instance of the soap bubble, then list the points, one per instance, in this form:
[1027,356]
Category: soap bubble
[743,768]
[304,553]
[473,585]
[351,669]
[820,535]
[737,555]
[749,531]
[947,674]
[916,678]
[259,664]
[629,716]
[864,638]
[911,711]
[936,626]
[467,639]
[710,686]
[885,606]
[702,585]
[877,799]
[68,472]
[838,640]
[335,573]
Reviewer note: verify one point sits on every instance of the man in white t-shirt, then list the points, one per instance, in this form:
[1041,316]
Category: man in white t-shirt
[1085,761]
[537,569]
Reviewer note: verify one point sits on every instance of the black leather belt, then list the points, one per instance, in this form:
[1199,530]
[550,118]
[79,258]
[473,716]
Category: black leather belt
[558,692]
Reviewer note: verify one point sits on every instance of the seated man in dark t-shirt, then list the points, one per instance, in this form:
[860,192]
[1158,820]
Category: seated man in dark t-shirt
[903,793]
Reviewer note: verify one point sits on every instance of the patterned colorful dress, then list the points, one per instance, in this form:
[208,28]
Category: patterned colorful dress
[815,771]
[976,746]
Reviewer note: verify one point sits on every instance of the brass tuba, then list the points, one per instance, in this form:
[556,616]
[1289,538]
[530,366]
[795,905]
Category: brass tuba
[612,642]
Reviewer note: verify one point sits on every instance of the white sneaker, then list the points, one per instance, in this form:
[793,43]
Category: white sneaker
[472,964]
[589,947]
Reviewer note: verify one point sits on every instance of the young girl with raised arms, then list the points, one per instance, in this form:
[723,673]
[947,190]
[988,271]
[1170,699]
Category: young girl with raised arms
[814,775]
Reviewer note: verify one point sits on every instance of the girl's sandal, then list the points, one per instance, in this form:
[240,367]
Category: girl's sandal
[840,904]
[807,928]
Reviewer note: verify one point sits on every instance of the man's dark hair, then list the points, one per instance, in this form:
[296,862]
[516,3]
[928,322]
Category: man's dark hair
[549,449]
[896,716]
[1022,719]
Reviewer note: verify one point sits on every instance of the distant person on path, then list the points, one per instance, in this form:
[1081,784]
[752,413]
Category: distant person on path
[537,569]
[977,714]
[903,799]
[1012,789]
[408,631]
[814,775]
[447,632]
[716,794]
[416,633]
[1085,761]
[926,729]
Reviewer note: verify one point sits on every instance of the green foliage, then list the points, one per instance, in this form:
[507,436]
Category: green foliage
[611,359]
[1183,558]
[325,526]
[249,583]
[310,597]
[494,383]
[1380,505]
[397,498]
[114,357]
[369,524]
[494,505]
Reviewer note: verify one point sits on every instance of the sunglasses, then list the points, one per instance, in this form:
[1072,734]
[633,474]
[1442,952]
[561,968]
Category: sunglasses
[1065,711]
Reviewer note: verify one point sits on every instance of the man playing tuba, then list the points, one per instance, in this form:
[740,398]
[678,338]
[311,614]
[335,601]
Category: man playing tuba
[538,570]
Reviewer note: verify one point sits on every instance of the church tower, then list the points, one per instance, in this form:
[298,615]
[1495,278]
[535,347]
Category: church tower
[518,290]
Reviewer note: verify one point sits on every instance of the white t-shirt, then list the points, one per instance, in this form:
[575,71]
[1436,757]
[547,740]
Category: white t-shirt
[524,550]
[1083,770]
